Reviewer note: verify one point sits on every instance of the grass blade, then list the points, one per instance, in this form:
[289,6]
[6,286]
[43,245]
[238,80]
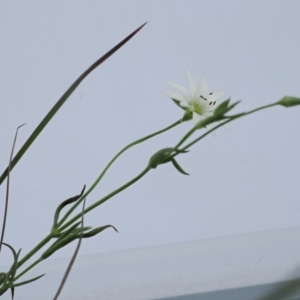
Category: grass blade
[62,100]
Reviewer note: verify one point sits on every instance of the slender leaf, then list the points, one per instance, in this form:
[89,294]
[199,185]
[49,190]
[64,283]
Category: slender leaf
[62,100]
[177,166]
[7,187]
[63,204]
[28,281]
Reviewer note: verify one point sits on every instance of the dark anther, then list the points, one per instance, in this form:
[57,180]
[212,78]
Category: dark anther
[210,103]
[214,102]
[211,93]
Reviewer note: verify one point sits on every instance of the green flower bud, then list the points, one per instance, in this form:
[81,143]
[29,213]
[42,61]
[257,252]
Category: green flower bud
[289,101]
[223,108]
[163,156]
[160,157]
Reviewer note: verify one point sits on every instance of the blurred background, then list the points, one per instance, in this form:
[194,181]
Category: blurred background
[241,181]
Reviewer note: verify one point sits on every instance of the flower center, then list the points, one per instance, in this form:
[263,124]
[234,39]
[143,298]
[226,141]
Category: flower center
[198,108]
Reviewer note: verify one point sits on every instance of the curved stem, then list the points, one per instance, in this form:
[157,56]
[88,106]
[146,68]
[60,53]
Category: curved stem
[110,163]
[104,199]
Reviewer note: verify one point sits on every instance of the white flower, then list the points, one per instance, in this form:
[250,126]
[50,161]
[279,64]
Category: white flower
[196,101]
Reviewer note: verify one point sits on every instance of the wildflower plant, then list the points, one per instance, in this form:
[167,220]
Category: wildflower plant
[207,112]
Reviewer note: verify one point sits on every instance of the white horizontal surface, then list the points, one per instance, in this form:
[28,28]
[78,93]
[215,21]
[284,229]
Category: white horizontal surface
[173,270]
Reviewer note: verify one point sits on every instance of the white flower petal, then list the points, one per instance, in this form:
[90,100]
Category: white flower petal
[193,85]
[196,118]
[186,104]
[209,127]
[178,87]
[206,108]
[215,96]
[203,86]
[175,96]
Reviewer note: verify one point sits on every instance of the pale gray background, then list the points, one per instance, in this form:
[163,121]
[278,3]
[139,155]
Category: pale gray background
[241,181]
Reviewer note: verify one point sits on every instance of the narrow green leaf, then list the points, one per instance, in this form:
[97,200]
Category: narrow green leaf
[97,230]
[62,100]
[57,245]
[177,102]
[177,166]
[63,204]
[28,281]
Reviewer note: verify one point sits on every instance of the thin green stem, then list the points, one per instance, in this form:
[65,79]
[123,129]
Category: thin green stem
[205,134]
[110,163]
[260,108]
[186,136]
[104,199]
[231,118]
[28,268]
[34,250]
